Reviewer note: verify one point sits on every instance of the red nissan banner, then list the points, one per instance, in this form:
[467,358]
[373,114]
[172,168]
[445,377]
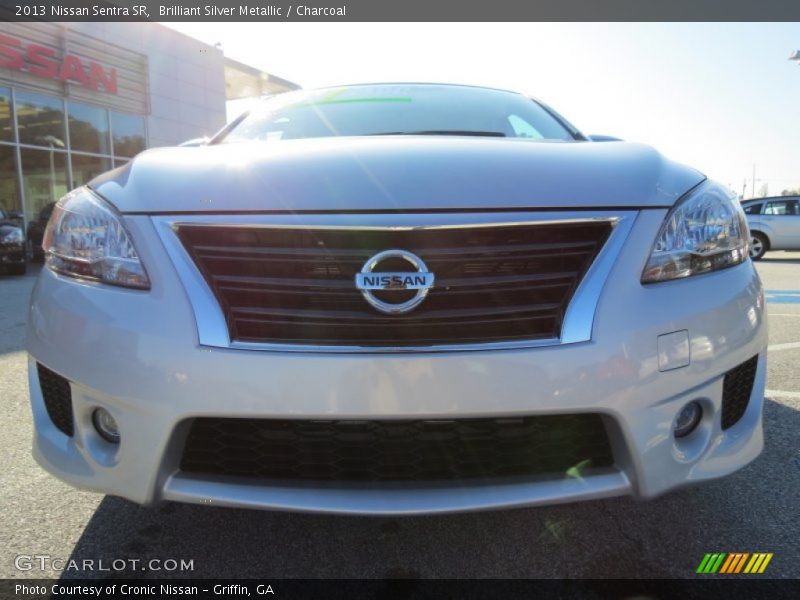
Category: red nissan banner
[42,61]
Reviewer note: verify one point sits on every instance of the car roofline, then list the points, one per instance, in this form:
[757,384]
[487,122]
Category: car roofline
[420,83]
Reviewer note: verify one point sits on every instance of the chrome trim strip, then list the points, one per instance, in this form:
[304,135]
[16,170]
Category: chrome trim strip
[212,329]
[237,221]
[395,500]
[579,319]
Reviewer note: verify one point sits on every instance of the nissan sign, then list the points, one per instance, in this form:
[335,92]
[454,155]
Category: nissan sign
[42,61]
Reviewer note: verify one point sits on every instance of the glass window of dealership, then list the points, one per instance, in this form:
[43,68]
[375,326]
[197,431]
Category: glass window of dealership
[77,99]
[49,145]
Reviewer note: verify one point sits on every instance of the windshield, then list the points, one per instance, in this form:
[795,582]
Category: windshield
[398,110]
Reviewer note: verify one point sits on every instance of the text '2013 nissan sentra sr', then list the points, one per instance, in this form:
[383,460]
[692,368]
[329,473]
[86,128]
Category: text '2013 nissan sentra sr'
[397,299]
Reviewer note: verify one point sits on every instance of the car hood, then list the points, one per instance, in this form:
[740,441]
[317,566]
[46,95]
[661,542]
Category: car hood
[395,173]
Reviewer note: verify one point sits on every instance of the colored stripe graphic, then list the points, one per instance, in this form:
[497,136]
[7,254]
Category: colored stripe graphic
[759,562]
[765,563]
[715,567]
[711,562]
[727,564]
[741,562]
[734,562]
[756,558]
[703,563]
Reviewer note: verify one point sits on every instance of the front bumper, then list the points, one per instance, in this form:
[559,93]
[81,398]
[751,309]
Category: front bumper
[137,354]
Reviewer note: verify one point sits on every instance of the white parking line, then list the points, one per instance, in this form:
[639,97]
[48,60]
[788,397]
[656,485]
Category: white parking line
[786,346]
[784,314]
[781,394]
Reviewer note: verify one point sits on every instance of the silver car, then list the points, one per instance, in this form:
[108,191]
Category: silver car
[397,299]
[774,224]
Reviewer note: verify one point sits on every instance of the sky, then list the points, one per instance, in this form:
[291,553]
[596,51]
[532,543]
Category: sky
[721,97]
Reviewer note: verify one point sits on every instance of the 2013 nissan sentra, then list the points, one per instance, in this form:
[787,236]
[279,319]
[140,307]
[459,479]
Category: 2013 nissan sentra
[397,299]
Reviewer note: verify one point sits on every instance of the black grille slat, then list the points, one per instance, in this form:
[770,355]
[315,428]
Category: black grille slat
[269,284]
[431,317]
[57,396]
[257,267]
[332,333]
[737,388]
[478,239]
[244,297]
[210,250]
[296,286]
[386,451]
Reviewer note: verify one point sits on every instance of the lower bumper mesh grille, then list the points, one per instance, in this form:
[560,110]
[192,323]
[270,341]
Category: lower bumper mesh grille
[57,398]
[736,391]
[418,450]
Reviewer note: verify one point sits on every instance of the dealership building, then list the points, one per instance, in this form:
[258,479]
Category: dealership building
[77,99]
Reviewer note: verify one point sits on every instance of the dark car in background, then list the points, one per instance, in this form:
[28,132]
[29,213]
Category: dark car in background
[774,224]
[12,243]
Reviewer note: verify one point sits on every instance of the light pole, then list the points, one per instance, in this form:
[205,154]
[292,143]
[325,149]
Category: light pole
[53,142]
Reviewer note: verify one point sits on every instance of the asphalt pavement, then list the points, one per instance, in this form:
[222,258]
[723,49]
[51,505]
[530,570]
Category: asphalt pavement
[754,510]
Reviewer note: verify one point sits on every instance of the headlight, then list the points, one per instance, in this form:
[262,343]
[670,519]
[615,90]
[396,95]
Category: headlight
[12,236]
[706,231]
[85,238]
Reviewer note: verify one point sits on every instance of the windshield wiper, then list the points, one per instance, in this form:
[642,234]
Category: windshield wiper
[446,132]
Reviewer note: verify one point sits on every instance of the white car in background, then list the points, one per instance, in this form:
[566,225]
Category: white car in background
[774,224]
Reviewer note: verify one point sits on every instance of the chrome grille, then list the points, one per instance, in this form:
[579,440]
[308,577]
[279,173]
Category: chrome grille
[296,286]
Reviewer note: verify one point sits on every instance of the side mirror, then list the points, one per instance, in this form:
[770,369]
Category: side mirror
[201,141]
[604,138]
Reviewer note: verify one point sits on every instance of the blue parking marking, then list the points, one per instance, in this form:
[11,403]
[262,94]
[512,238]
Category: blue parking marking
[782,296]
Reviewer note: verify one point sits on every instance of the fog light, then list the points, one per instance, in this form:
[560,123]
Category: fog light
[688,419]
[105,425]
